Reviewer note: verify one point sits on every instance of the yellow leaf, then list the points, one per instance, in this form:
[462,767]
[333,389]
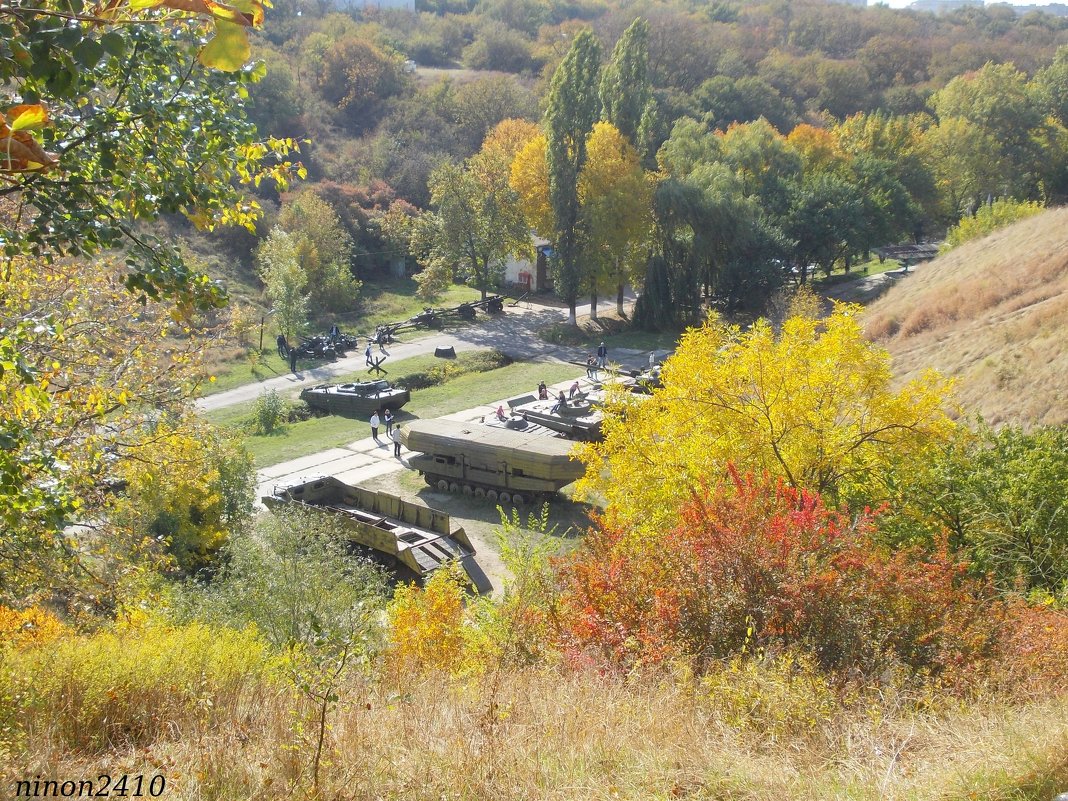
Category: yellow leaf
[228,50]
[26,117]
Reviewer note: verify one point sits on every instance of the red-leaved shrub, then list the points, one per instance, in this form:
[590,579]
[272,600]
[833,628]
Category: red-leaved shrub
[755,564]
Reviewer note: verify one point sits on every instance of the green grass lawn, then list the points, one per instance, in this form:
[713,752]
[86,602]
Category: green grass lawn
[382,300]
[839,275]
[463,392]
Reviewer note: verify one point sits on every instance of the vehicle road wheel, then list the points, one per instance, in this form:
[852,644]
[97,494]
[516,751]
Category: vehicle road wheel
[519,500]
[506,497]
[479,492]
[454,487]
[443,485]
[491,495]
[468,489]
[429,479]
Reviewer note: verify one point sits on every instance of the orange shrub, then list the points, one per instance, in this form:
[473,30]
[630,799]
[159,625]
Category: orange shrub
[752,563]
[28,627]
[426,625]
[1033,650]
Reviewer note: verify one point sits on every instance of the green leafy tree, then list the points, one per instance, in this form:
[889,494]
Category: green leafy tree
[476,223]
[625,82]
[825,220]
[572,108]
[1000,101]
[324,250]
[121,118]
[1001,496]
[285,282]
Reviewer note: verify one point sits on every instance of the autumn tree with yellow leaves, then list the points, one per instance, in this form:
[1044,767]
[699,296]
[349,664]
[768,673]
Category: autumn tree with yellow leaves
[812,404]
[126,110]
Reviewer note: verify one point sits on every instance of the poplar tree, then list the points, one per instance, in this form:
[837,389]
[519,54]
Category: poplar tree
[625,83]
[573,108]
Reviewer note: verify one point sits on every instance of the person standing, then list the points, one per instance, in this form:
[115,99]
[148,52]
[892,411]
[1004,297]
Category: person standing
[395,436]
[283,346]
[367,354]
[387,418]
[591,367]
[293,360]
[574,391]
[602,356]
[374,426]
[543,391]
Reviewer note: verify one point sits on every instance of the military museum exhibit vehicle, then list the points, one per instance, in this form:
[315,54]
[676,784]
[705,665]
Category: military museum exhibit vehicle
[513,461]
[355,400]
[411,539]
[579,418]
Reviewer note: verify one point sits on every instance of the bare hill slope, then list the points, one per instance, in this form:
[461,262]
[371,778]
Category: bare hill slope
[994,314]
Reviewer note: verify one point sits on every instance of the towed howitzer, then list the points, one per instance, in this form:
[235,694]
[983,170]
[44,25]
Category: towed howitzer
[435,318]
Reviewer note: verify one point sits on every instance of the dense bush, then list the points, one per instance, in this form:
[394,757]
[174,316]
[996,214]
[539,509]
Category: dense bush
[477,362]
[754,564]
[131,684]
[294,579]
[987,219]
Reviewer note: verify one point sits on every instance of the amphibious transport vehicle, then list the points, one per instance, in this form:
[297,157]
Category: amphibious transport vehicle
[513,461]
[412,540]
[355,400]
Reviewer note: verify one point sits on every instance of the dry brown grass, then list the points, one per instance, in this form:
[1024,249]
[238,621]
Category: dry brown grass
[570,736]
[991,313]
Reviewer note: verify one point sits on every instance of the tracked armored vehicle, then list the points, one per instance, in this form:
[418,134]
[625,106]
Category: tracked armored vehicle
[412,540]
[580,418]
[513,461]
[355,400]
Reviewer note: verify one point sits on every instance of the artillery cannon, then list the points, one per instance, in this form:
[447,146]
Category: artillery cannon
[436,318]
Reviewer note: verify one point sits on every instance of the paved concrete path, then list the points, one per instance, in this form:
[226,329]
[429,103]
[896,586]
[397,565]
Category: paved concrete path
[513,332]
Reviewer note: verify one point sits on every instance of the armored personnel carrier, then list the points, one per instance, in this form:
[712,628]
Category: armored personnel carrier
[513,460]
[355,400]
[411,539]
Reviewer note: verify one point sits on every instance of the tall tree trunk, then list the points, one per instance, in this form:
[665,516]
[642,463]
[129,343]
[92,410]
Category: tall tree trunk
[572,317]
[619,298]
[593,304]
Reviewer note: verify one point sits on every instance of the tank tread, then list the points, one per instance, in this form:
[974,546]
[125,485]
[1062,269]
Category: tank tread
[485,491]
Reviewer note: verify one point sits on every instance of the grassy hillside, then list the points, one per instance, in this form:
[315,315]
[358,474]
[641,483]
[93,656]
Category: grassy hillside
[990,313]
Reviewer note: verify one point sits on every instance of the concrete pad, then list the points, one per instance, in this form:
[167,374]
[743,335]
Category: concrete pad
[372,471]
[293,465]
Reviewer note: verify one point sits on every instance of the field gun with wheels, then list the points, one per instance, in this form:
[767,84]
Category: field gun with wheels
[511,461]
[436,318]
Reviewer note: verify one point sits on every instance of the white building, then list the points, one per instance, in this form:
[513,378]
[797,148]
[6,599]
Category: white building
[527,276]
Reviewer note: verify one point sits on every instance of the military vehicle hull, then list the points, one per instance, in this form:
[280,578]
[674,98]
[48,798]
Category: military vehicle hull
[578,419]
[355,400]
[491,460]
[413,539]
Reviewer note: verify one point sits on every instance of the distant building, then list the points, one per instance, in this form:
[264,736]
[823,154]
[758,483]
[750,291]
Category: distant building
[857,3]
[943,6]
[528,276]
[376,5]
[1053,9]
